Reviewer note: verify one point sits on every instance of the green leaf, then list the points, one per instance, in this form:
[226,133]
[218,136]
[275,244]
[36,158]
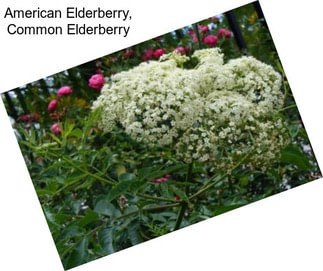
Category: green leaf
[126,180]
[126,177]
[77,133]
[89,217]
[293,155]
[104,207]
[152,172]
[105,237]
[78,255]
[133,233]
[118,190]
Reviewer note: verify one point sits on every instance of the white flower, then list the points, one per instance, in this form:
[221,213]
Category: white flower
[210,113]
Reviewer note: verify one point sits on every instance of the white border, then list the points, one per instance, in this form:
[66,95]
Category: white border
[283,232]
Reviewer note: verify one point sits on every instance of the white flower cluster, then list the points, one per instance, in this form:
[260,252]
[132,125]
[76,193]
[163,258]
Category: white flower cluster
[214,112]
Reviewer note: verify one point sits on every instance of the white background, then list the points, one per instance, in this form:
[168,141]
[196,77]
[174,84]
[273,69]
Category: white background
[283,232]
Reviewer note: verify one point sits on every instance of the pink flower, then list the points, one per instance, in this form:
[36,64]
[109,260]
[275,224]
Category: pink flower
[148,54]
[128,53]
[159,52]
[163,179]
[64,91]
[228,35]
[225,32]
[52,105]
[38,160]
[211,40]
[203,28]
[34,116]
[180,50]
[194,38]
[177,197]
[24,118]
[96,81]
[55,129]
[222,32]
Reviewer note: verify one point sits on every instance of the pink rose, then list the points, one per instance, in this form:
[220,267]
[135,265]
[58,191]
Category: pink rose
[52,105]
[159,52]
[194,38]
[64,91]
[163,179]
[225,33]
[180,50]
[228,35]
[24,118]
[211,40]
[96,81]
[55,129]
[203,28]
[222,32]
[34,116]
[148,54]
[128,53]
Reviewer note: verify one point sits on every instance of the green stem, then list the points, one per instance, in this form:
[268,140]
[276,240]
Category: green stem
[212,182]
[180,216]
[89,173]
[197,35]
[153,208]
[155,198]
[184,204]
[287,107]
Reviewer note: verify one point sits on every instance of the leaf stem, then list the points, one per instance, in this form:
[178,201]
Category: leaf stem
[183,203]
[155,198]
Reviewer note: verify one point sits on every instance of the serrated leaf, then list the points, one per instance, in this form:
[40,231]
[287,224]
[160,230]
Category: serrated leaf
[78,255]
[89,217]
[126,177]
[293,155]
[105,237]
[118,190]
[104,207]
[133,233]
[77,133]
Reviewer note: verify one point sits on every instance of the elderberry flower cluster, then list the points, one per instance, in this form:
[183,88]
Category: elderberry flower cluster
[214,112]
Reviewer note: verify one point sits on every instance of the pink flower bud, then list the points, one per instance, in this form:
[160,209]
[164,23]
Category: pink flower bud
[203,28]
[158,180]
[194,38]
[148,54]
[34,117]
[222,32]
[24,118]
[64,91]
[228,34]
[180,50]
[211,40]
[96,81]
[159,52]
[128,53]
[52,105]
[55,129]
[177,197]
